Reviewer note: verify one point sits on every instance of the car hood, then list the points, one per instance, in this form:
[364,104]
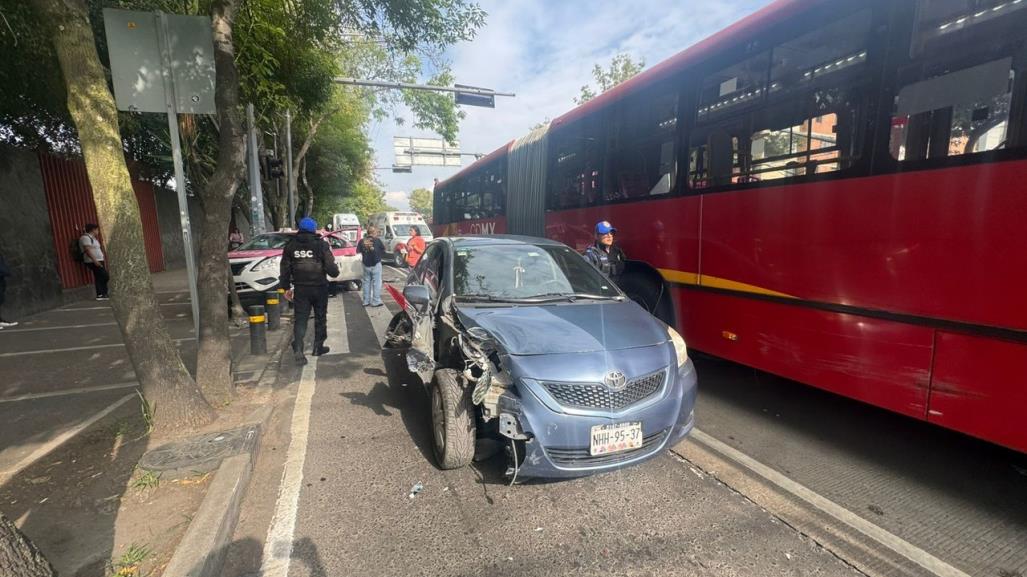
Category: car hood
[236,254]
[566,328]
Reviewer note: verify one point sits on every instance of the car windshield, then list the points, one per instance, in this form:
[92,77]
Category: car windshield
[265,242]
[404,229]
[505,272]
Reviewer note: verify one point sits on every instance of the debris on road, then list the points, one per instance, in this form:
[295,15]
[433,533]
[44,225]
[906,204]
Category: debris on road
[415,490]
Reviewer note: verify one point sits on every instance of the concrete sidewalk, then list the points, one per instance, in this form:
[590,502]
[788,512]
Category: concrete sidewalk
[65,368]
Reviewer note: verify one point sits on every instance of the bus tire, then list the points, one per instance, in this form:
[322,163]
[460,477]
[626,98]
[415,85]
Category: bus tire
[650,293]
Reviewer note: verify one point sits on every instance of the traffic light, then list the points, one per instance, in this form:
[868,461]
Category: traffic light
[272,167]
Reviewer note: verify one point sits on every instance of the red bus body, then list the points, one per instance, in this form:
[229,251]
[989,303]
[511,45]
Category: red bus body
[895,283]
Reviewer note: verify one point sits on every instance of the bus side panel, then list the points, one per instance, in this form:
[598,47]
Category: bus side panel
[980,388]
[881,362]
[663,233]
[945,243]
[481,226]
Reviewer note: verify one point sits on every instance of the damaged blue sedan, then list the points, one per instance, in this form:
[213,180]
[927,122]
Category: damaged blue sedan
[521,340]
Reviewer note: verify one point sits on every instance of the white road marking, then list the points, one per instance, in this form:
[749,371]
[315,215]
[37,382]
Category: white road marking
[338,333]
[889,540]
[278,547]
[60,440]
[31,329]
[107,308]
[75,391]
[72,349]
[402,275]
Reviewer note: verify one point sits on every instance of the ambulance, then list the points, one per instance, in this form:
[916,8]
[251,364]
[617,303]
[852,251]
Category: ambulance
[394,229]
[347,224]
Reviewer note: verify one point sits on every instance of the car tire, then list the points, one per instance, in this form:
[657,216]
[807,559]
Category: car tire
[453,422]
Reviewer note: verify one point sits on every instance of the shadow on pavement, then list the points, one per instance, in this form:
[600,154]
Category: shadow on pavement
[303,553]
[965,468]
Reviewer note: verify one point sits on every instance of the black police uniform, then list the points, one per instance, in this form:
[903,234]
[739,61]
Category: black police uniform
[610,263]
[307,262]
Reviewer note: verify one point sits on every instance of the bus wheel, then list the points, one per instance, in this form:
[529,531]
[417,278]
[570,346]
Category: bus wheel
[650,294]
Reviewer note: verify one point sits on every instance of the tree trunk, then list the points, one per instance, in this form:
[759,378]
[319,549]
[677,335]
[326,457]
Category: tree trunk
[297,160]
[18,556]
[173,396]
[214,358]
[310,191]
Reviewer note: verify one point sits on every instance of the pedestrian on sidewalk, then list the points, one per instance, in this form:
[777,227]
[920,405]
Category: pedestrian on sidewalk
[5,272]
[307,262]
[371,252]
[92,256]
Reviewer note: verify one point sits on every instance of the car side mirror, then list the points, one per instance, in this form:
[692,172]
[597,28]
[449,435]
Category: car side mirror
[417,295]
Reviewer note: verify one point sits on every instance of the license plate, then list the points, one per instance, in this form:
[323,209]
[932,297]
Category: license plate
[615,438]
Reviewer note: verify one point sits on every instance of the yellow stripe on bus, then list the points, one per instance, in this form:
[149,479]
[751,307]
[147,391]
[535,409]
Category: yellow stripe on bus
[691,278]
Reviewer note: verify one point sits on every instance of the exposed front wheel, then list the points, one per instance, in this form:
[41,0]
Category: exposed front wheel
[452,419]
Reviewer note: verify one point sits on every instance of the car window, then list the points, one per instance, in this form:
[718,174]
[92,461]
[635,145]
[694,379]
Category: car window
[337,242]
[404,229]
[265,242]
[525,271]
[429,270]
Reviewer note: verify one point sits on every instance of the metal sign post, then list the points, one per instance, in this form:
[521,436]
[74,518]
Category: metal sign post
[291,221]
[165,64]
[176,156]
[257,225]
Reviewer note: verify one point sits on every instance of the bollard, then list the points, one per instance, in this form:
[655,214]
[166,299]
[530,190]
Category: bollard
[258,331]
[274,311]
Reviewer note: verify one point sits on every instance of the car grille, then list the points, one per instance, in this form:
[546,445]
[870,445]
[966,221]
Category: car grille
[238,266]
[598,396]
[583,457]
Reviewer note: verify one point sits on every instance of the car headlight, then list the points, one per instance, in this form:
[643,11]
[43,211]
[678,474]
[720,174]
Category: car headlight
[679,346]
[268,264]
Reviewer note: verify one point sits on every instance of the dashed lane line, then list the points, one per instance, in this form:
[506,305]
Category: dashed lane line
[278,547]
[72,349]
[836,511]
[59,440]
[75,391]
[55,328]
[338,333]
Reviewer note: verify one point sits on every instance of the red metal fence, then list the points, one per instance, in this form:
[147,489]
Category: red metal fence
[69,200]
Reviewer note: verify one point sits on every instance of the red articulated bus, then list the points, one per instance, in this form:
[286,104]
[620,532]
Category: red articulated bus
[834,191]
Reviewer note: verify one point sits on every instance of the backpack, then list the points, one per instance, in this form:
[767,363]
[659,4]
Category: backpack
[76,251]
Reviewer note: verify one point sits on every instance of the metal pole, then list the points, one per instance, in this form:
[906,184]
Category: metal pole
[407,86]
[258,330]
[256,195]
[288,170]
[176,157]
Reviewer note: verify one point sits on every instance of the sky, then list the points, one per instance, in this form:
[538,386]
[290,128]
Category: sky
[544,50]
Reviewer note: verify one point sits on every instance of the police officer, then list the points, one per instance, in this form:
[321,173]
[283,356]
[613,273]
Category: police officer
[307,262]
[605,254]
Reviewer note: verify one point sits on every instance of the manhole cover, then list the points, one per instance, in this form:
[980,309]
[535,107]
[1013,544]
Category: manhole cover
[201,453]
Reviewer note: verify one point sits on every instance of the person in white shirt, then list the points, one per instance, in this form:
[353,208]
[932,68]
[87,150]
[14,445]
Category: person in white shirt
[92,256]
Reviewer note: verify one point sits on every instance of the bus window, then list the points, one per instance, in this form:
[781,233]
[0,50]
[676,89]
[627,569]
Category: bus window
[575,165]
[942,23]
[641,160]
[963,111]
[803,120]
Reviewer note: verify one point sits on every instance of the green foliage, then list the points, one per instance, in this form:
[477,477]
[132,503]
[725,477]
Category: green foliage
[621,68]
[421,201]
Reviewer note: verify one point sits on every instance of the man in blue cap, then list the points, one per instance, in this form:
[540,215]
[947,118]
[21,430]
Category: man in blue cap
[605,254]
[307,262]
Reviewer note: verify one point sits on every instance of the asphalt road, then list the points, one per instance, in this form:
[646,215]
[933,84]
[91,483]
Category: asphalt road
[789,481]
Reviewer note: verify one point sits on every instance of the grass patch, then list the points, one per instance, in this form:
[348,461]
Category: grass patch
[148,480]
[128,564]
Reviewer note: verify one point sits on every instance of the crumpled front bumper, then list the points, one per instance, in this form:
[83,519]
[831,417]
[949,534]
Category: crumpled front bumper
[558,444]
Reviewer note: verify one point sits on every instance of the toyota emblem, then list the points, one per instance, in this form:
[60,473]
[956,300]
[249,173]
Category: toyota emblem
[615,380]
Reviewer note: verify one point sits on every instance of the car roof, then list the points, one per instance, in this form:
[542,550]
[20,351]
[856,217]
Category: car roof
[500,239]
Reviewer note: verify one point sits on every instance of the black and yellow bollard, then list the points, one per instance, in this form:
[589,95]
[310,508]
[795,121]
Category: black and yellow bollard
[258,331]
[274,311]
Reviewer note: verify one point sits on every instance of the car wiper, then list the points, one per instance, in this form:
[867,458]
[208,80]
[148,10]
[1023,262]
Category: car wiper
[572,297]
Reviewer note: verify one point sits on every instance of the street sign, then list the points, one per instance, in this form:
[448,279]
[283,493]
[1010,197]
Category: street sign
[137,66]
[425,152]
[472,99]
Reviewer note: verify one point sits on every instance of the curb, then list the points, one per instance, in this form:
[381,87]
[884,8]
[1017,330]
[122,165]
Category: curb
[201,553]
